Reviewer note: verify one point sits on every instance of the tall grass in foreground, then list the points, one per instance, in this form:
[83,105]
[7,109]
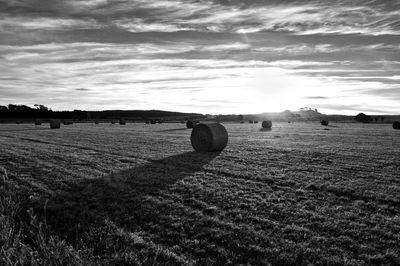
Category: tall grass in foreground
[24,240]
[27,237]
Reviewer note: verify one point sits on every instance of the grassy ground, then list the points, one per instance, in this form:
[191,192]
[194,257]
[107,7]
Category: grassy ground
[137,194]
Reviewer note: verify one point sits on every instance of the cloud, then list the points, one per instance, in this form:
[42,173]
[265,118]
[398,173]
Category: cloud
[316,97]
[312,17]
[263,54]
[9,23]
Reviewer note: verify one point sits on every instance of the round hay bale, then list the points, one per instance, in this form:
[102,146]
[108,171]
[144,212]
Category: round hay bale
[266,124]
[241,122]
[96,122]
[256,122]
[159,121]
[55,123]
[251,122]
[122,122]
[396,125]
[38,122]
[147,122]
[152,122]
[324,122]
[209,137]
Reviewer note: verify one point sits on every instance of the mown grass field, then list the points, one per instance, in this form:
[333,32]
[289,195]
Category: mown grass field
[137,194]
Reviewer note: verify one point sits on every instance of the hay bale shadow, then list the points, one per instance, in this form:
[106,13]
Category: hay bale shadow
[265,129]
[118,196]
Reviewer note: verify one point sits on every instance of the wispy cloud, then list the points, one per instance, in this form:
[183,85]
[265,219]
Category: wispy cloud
[232,56]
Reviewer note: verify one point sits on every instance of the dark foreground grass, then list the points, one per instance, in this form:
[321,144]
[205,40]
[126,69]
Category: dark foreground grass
[25,239]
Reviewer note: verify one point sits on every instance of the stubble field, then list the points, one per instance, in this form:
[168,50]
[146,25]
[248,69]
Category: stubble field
[138,194]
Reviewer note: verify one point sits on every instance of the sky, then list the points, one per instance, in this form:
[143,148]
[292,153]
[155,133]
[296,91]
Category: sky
[214,56]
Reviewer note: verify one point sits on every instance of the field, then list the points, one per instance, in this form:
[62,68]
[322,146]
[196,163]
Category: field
[137,194]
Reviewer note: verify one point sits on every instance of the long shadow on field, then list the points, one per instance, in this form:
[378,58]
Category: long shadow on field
[119,196]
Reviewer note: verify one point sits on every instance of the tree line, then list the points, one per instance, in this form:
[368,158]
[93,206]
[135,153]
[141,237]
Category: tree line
[21,112]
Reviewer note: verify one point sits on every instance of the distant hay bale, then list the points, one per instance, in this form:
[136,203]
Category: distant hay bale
[241,122]
[250,121]
[38,122]
[147,122]
[209,137]
[396,125]
[68,122]
[324,122]
[191,123]
[159,121]
[152,122]
[112,122]
[96,122]
[55,123]
[266,124]
[122,122]
[256,122]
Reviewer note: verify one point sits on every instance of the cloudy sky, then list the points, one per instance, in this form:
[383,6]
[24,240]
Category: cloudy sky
[207,56]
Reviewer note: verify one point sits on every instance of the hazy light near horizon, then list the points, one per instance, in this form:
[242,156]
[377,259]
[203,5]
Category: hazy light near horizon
[209,57]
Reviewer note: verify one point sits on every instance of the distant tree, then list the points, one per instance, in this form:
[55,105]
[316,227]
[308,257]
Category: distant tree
[78,114]
[287,113]
[42,108]
[363,118]
[19,108]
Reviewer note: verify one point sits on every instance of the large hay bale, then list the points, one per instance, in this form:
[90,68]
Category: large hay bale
[324,122]
[396,125]
[122,122]
[266,124]
[209,137]
[191,123]
[55,123]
